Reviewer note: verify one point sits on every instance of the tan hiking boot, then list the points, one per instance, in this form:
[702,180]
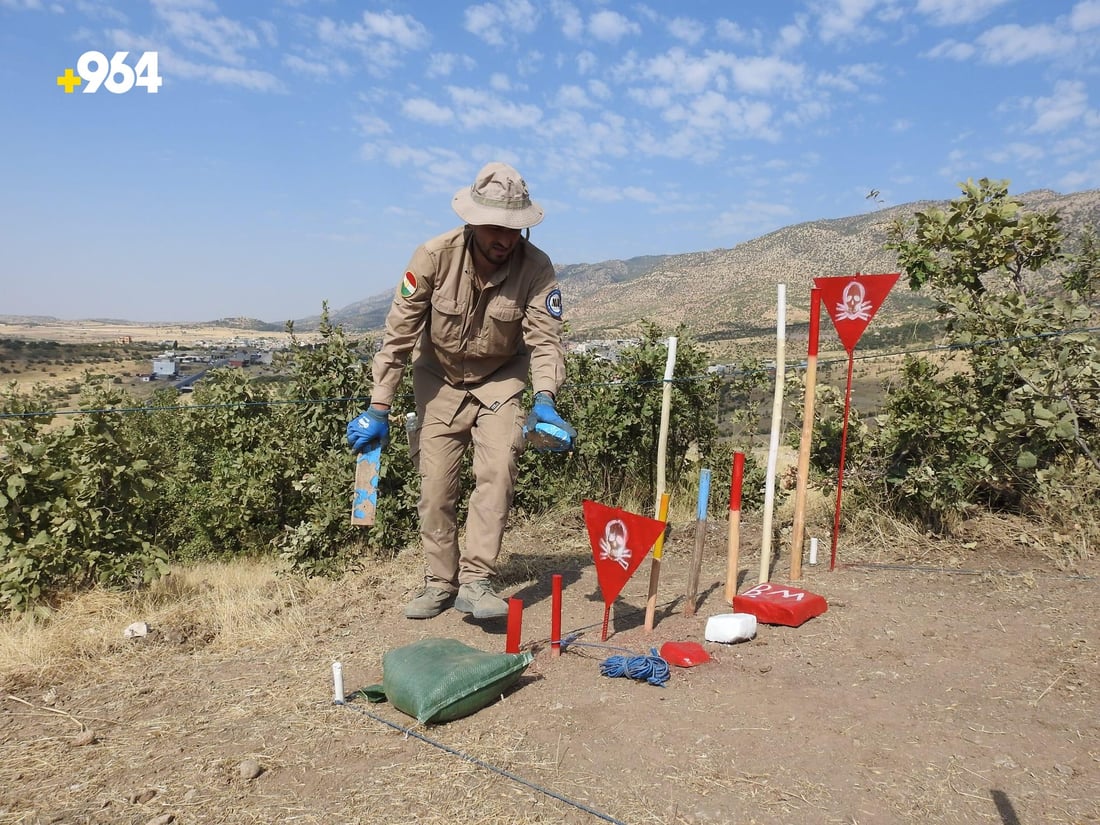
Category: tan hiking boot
[478,599]
[431,602]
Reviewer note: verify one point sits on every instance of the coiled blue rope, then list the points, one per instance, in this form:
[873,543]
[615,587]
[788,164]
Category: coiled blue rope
[652,669]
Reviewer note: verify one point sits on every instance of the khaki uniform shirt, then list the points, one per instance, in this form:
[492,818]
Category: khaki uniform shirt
[463,340]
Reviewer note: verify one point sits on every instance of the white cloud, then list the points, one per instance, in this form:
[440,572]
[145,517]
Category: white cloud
[586,62]
[439,169]
[254,80]
[495,23]
[443,64]
[713,114]
[611,27]
[851,78]
[750,219]
[426,111]
[301,66]
[373,126]
[401,29]
[95,11]
[1085,15]
[1012,43]
[1068,103]
[588,140]
[572,97]
[1081,179]
[171,64]
[765,75]
[842,19]
[790,37]
[953,12]
[475,109]
[687,29]
[196,27]
[599,90]
[380,38]
[1017,151]
[571,21]
[735,33]
[614,194]
[683,72]
[951,50]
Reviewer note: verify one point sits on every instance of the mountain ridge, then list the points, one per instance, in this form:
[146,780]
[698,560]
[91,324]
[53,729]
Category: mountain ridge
[720,293]
[724,292]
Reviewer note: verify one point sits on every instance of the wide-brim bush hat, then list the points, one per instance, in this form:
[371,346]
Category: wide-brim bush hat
[498,197]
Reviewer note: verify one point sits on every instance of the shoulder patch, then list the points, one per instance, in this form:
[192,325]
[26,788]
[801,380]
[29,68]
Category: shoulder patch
[553,303]
[408,285]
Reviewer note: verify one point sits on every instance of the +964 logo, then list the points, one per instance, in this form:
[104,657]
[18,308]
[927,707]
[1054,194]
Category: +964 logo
[94,71]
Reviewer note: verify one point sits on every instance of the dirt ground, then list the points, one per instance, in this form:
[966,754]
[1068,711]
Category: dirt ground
[946,683]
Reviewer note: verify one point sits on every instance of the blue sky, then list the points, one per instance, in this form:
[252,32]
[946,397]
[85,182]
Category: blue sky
[298,150]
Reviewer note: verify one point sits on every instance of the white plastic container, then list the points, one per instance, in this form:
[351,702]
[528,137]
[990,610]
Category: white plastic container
[730,627]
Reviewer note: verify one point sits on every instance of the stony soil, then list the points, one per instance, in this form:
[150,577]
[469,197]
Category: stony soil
[948,682]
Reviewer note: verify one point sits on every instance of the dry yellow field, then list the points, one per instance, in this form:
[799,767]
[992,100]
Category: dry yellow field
[85,332]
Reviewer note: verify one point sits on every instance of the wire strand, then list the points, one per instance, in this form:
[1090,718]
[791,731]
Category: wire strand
[408,731]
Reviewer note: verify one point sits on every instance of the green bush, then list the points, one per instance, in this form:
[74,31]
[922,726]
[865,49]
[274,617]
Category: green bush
[1027,406]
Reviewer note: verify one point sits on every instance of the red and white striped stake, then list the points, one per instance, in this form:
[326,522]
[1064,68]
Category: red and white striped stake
[555,616]
[515,625]
[736,479]
[777,424]
[799,528]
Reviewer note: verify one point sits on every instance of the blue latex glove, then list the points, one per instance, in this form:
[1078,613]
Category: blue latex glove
[369,426]
[545,430]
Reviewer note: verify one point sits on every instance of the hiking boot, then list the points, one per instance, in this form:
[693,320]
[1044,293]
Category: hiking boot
[478,599]
[431,602]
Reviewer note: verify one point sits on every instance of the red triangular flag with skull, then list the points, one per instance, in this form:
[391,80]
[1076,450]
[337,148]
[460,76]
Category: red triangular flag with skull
[620,540]
[852,301]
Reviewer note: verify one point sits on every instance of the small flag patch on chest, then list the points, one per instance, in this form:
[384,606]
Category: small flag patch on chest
[408,285]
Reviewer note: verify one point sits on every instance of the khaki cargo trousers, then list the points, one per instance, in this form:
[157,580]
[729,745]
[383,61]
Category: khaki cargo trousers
[437,448]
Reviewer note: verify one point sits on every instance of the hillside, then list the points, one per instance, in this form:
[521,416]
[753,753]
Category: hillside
[729,293]
[720,294]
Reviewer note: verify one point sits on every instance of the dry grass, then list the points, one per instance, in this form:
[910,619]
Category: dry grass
[225,605]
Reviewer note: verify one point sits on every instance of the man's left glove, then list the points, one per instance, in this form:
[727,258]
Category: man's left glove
[369,426]
[545,430]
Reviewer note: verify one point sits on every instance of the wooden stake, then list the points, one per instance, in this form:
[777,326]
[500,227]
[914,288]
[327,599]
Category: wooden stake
[777,423]
[655,565]
[799,528]
[734,526]
[700,540]
[660,505]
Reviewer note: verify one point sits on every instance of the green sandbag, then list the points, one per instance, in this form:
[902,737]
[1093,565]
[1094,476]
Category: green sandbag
[437,680]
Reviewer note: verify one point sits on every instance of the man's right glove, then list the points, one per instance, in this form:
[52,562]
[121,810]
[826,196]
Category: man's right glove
[369,426]
[545,430]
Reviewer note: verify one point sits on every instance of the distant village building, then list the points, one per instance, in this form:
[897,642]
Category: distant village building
[164,367]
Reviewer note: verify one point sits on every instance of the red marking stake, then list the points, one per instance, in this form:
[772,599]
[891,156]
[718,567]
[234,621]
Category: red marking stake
[515,625]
